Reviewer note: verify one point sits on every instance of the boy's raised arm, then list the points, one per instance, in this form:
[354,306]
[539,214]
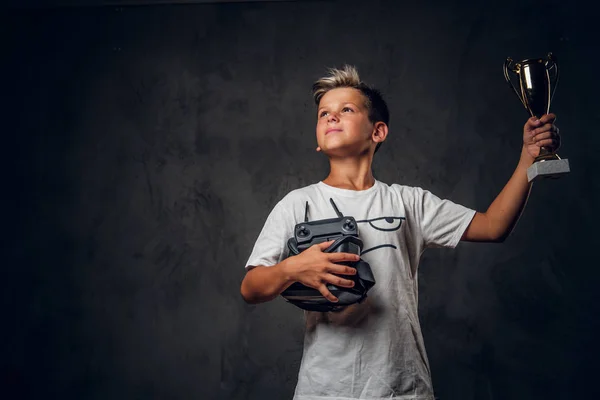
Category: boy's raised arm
[496,224]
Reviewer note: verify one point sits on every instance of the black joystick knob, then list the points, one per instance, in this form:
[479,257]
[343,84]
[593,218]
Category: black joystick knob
[303,231]
[349,225]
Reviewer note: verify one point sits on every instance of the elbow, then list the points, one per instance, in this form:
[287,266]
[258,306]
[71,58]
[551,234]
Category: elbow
[259,285]
[248,299]
[499,237]
[246,295]
[502,238]
[250,293]
[497,232]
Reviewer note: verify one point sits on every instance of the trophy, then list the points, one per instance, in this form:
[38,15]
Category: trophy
[537,83]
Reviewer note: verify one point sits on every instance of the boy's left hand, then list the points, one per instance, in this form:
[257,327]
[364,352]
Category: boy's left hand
[540,133]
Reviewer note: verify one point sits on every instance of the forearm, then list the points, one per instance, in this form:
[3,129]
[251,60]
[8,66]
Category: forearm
[263,284]
[505,210]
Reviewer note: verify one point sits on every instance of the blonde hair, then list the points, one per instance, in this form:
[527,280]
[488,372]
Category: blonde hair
[347,77]
[337,78]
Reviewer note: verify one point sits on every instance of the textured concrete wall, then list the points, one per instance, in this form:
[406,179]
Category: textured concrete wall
[144,148]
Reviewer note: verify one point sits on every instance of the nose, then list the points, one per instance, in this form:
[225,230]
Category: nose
[332,117]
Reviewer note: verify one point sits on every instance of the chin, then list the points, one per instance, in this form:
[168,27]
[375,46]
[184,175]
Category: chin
[343,152]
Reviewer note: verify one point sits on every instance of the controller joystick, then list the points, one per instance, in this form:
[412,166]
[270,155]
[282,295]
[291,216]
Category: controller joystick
[349,225]
[303,232]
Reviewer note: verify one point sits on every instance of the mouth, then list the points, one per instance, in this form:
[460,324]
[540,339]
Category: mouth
[330,130]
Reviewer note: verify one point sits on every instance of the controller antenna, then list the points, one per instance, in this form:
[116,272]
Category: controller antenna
[339,214]
[306,213]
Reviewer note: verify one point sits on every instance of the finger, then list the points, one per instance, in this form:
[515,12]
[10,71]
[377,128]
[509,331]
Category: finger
[532,123]
[324,245]
[543,128]
[336,280]
[552,133]
[548,118]
[547,143]
[542,136]
[327,294]
[340,269]
[341,257]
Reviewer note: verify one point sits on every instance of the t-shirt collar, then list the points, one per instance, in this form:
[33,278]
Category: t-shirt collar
[349,192]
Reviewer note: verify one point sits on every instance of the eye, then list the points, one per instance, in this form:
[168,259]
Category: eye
[387,224]
[323,113]
[347,109]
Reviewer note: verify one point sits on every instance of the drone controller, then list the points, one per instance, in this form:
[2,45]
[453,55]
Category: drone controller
[344,232]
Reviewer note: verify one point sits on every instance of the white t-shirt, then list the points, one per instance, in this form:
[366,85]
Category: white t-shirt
[373,350]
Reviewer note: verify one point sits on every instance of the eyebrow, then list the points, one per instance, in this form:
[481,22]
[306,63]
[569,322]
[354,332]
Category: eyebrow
[348,102]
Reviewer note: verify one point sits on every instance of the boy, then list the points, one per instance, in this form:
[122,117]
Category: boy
[372,350]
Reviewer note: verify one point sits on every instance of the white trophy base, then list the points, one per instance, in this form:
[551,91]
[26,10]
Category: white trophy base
[547,169]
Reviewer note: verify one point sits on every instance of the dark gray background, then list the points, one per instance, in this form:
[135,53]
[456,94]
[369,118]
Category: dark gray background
[144,147]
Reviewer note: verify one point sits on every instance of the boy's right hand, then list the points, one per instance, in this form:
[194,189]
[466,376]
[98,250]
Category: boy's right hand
[316,269]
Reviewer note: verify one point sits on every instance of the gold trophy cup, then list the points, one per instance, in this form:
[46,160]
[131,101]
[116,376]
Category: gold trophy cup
[537,82]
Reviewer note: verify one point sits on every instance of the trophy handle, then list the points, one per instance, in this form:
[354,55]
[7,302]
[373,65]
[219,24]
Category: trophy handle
[510,67]
[553,73]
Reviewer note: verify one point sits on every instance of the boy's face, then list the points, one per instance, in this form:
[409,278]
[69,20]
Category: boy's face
[343,126]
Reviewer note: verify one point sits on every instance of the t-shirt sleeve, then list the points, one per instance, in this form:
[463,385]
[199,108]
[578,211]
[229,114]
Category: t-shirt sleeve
[442,222]
[271,246]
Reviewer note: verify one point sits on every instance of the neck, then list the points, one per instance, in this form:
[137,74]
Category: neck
[350,173]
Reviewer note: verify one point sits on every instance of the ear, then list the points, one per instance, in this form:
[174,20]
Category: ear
[380,132]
